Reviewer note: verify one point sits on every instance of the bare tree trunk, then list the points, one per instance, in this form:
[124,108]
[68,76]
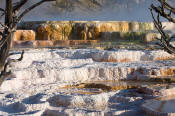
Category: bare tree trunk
[6,46]
[12,18]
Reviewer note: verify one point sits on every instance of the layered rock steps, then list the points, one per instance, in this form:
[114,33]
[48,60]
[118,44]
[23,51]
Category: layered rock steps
[62,31]
[88,65]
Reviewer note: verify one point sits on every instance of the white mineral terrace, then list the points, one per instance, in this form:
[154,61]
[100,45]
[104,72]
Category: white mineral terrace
[36,84]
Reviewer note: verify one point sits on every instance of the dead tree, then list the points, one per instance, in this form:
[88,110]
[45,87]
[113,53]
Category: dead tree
[167,11]
[12,17]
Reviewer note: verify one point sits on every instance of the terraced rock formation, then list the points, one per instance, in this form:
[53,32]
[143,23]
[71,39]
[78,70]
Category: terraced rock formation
[50,80]
[72,33]
[85,30]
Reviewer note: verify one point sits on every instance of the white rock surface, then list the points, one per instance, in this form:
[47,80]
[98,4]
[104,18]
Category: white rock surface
[48,66]
[162,106]
[36,88]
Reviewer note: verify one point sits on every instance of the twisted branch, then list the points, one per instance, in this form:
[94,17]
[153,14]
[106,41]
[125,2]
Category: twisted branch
[31,8]
[11,20]
[2,10]
[3,25]
[4,73]
[162,11]
[18,5]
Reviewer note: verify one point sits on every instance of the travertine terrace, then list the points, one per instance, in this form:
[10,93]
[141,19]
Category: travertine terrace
[39,84]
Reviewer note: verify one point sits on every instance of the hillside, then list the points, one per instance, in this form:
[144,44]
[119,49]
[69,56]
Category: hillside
[125,10]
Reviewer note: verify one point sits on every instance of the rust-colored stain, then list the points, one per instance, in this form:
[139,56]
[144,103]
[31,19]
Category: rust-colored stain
[132,70]
[124,26]
[43,33]
[43,43]
[24,35]
[125,60]
[115,60]
[101,86]
[167,72]
[164,58]
[46,43]
[98,87]
[86,92]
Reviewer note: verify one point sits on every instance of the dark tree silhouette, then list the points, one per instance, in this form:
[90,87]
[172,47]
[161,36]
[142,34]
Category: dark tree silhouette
[11,17]
[167,11]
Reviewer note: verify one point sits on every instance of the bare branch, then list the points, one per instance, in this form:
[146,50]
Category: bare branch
[163,13]
[171,38]
[12,60]
[32,7]
[165,40]
[167,6]
[2,10]
[3,39]
[95,2]
[11,20]
[3,25]
[4,73]
[2,15]
[18,5]
[16,60]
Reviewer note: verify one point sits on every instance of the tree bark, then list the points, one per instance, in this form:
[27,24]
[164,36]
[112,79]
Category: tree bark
[4,50]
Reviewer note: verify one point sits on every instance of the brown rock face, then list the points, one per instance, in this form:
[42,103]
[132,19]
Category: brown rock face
[53,31]
[61,43]
[82,42]
[167,72]
[150,37]
[43,32]
[114,27]
[82,30]
[116,60]
[164,58]
[24,35]
[134,26]
[22,44]
[46,43]
[124,26]
[93,31]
